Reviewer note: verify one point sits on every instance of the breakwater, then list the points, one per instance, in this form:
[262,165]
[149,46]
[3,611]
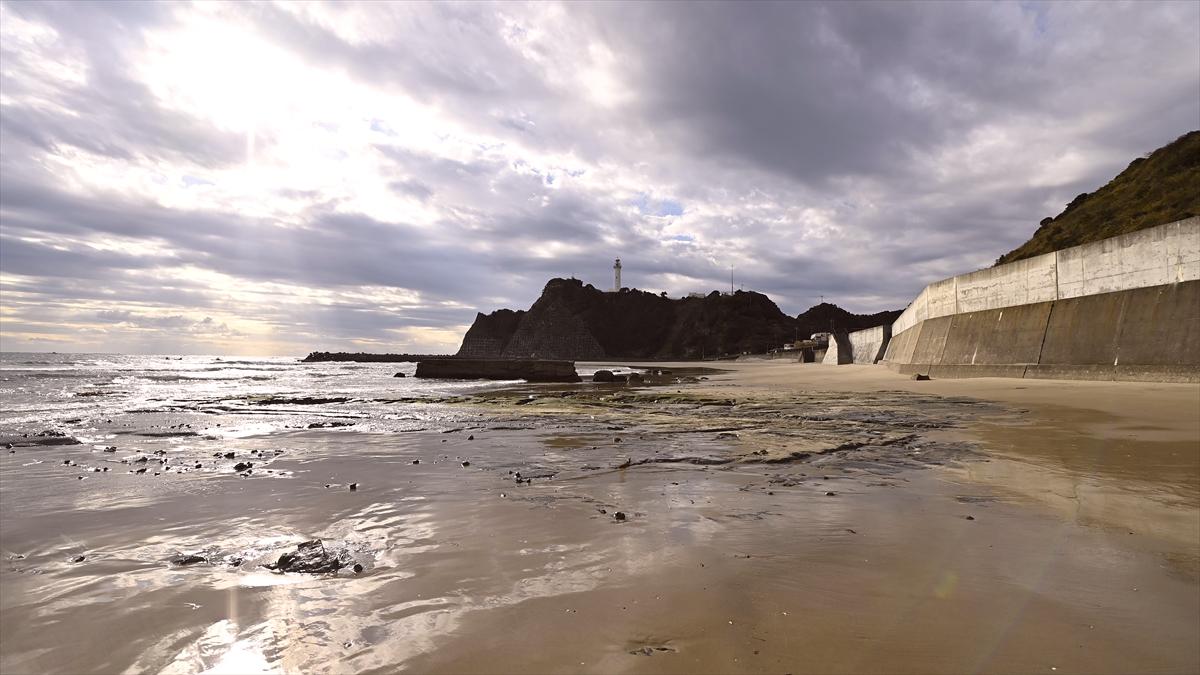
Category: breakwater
[532,370]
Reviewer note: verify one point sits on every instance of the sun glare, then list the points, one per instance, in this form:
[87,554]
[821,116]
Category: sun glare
[221,71]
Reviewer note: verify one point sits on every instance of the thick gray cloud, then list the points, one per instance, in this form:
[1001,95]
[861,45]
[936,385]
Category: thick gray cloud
[263,177]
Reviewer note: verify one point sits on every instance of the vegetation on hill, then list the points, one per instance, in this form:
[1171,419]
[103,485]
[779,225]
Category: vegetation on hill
[829,318]
[1160,188]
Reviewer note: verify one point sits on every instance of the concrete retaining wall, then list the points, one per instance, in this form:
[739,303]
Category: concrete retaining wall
[840,351]
[869,345]
[1122,308]
[1160,255]
[1154,257]
[862,346]
[1020,283]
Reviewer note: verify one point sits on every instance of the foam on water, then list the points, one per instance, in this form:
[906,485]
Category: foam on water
[55,390]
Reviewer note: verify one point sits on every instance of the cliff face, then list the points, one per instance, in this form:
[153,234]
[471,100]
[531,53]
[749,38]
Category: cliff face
[490,333]
[574,321]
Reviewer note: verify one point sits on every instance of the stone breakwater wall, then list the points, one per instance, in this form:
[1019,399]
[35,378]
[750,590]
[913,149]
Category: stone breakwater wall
[1125,308]
[532,370]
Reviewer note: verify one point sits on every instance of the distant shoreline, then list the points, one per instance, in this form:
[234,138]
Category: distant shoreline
[366,357]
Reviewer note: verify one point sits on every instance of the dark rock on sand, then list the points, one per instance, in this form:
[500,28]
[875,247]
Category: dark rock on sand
[399,375]
[300,400]
[48,437]
[329,425]
[310,557]
[920,377]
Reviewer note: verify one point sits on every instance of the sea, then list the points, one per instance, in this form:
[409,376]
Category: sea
[243,395]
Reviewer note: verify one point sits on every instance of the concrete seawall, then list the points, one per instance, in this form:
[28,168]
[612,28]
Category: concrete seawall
[863,346]
[839,351]
[1126,308]
[1160,255]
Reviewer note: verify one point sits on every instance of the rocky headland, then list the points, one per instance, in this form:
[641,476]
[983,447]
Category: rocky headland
[572,320]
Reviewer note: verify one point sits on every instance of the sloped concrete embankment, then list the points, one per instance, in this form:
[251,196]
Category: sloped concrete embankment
[1145,334]
[1126,308]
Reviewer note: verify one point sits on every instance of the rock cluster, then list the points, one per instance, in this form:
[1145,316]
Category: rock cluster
[311,557]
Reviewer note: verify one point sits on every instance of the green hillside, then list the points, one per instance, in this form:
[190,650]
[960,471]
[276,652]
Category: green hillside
[1154,190]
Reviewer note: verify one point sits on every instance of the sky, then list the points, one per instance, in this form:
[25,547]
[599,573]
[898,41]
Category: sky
[275,178]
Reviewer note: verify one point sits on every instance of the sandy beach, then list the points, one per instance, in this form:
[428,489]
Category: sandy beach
[775,517]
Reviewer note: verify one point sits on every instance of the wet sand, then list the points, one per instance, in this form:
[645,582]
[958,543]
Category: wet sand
[779,518]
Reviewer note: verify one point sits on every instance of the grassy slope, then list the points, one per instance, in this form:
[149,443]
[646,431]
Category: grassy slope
[1160,189]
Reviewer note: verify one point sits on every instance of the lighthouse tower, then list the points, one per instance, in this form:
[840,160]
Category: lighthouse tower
[617,276]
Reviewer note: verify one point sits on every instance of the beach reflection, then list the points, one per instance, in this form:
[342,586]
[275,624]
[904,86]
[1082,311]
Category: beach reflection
[224,650]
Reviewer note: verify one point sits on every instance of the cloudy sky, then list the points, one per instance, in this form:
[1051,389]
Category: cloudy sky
[270,178]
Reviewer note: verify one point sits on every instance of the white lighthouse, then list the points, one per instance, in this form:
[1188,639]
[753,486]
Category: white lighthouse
[617,276]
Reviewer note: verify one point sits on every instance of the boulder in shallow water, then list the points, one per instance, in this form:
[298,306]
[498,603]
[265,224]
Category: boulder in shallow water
[603,376]
[310,557]
[399,375]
